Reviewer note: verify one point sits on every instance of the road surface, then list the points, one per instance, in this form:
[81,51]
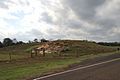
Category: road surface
[106,68]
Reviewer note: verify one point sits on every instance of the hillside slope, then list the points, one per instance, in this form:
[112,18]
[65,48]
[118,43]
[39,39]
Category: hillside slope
[82,47]
[72,48]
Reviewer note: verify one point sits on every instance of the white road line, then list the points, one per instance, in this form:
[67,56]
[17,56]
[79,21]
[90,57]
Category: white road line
[77,69]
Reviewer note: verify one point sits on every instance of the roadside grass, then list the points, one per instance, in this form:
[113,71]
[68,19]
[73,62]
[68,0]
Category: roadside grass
[24,70]
[14,72]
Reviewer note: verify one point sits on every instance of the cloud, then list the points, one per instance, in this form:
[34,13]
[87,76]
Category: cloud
[84,9]
[46,17]
[97,18]
[66,19]
[28,35]
[3,3]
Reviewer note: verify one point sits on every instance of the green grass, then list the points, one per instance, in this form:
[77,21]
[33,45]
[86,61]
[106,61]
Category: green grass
[14,72]
[6,57]
[23,70]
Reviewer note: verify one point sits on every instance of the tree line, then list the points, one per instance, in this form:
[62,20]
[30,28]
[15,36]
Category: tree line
[9,42]
[109,43]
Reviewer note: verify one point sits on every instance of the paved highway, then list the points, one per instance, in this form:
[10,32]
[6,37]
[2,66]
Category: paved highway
[95,70]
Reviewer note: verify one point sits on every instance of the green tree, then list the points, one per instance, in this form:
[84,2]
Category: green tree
[36,40]
[20,42]
[7,42]
[44,40]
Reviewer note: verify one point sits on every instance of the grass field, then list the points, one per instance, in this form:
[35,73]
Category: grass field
[16,51]
[22,66]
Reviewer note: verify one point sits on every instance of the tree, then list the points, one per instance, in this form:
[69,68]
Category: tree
[20,42]
[1,45]
[7,42]
[36,40]
[29,41]
[44,40]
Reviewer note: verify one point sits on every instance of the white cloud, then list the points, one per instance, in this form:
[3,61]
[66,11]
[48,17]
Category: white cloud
[76,19]
[110,9]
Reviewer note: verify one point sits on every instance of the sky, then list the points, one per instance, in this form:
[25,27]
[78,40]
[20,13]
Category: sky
[97,20]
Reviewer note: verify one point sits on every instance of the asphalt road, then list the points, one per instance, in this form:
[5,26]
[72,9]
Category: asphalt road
[108,69]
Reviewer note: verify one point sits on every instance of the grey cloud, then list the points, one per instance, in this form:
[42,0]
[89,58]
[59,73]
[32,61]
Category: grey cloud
[46,17]
[35,33]
[53,34]
[3,4]
[87,12]
[29,35]
[85,9]
[74,24]
[25,2]
[87,22]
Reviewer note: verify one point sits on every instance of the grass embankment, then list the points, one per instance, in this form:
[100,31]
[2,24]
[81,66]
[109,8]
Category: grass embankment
[23,66]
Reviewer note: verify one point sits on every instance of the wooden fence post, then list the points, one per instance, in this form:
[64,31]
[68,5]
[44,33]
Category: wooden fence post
[77,52]
[43,52]
[10,56]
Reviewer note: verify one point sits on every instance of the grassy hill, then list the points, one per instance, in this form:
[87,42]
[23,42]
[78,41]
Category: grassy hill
[85,47]
[75,47]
